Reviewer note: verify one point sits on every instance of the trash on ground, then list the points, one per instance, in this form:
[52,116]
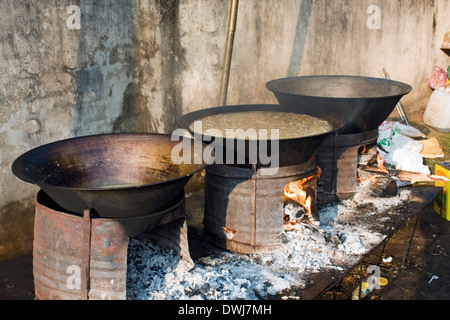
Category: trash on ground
[398,148]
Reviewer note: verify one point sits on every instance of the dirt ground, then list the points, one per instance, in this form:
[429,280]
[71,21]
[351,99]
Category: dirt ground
[428,256]
[424,276]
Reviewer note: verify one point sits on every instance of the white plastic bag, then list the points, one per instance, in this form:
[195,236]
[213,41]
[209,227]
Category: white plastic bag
[407,160]
[401,150]
[395,135]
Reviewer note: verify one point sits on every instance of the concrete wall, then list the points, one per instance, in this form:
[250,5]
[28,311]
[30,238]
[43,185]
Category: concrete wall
[138,65]
[289,38]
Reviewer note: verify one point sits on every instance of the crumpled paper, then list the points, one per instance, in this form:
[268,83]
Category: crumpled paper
[398,147]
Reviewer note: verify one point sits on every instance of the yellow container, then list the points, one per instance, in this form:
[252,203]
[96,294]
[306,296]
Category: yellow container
[442,201]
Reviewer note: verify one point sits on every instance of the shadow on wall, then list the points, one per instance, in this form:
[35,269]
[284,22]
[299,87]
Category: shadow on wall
[300,38]
[134,116]
[116,87]
[107,97]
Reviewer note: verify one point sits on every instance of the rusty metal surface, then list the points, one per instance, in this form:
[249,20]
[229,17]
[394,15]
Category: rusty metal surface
[173,235]
[338,161]
[117,175]
[242,200]
[58,252]
[108,260]
[81,257]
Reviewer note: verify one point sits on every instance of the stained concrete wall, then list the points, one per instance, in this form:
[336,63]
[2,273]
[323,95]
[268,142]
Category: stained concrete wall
[289,38]
[137,65]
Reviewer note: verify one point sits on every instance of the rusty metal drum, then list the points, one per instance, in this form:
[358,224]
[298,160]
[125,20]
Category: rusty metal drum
[82,257]
[338,160]
[244,208]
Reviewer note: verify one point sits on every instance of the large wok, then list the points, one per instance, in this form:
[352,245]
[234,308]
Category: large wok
[116,175]
[363,102]
[291,151]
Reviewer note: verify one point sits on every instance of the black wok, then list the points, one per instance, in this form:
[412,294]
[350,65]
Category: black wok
[363,102]
[116,175]
[291,151]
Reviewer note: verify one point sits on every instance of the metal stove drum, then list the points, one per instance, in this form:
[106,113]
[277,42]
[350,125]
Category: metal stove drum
[97,192]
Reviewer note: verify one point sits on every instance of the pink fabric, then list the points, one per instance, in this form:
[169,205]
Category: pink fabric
[438,78]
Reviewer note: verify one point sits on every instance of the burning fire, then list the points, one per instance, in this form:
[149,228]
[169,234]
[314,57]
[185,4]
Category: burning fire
[296,191]
[364,148]
[380,163]
[229,233]
[299,192]
[380,169]
[372,179]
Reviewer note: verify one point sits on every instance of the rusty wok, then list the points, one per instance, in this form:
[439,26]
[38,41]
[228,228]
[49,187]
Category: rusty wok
[363,102]
[292,151]
[115,175]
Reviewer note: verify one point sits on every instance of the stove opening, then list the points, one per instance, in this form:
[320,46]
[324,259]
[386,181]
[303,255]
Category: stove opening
[299,202]
[373,175]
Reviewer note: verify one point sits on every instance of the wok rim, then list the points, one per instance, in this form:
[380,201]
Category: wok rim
[19,173]
[184,121]
[271,85]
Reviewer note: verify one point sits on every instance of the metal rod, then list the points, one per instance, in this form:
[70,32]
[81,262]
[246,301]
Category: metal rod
[228,52]
[253,208]
[86,254]
[406,243]
[411,238]
[360,279]
[399,106]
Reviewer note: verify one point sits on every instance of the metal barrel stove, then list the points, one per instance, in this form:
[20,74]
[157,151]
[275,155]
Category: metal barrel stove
[243,208]
[81,257]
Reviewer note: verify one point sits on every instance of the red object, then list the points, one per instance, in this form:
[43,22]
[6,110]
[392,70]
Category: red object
[438,78]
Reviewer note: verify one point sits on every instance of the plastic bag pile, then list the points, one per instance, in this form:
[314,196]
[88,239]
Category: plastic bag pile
[398,147]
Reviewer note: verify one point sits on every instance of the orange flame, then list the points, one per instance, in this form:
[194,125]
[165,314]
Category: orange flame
[380,163]
[372,179]
[296,191]
[299,192]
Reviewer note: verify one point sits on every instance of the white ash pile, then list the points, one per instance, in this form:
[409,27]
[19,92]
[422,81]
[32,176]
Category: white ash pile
[155,273]
[332,243]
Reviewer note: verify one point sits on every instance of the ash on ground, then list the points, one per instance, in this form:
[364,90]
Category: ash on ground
[155,273]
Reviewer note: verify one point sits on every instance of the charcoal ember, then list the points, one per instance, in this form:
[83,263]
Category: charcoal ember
[385,186]
[284,238]
[366,159]
[293,210]
[366,207]
[192,291]
[334,237]
[378,185]
[391,189]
